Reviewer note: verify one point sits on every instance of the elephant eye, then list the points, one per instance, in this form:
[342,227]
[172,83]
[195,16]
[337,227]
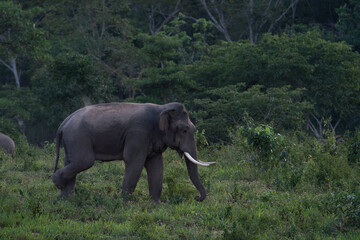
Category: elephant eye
[182,129]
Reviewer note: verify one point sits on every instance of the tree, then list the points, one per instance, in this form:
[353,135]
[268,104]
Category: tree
[328,71]
[17,103]
[252,17]
[68,83]
[100,29]
[348,23]
[224,108]
[162,76]
[19,37]
[321,14]
[157,13]
[167,55]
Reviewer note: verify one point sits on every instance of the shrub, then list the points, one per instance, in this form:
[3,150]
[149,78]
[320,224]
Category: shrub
[266,146]
[347,209]
[353,143]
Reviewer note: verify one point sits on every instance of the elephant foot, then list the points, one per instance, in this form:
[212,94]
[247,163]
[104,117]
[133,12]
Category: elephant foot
[156,200]
[65,192]
[57,181]
[128,197]
[200,198]
[68,189]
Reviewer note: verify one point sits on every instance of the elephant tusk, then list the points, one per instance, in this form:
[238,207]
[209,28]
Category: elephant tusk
[207,162]
[188,156]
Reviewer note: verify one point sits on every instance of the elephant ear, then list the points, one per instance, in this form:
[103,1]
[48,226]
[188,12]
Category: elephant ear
[165,117]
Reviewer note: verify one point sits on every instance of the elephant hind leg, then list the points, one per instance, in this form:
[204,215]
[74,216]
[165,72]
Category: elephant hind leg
[65,178]
[69,188]
[57,178]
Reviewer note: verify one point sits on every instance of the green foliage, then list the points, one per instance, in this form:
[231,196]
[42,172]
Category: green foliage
[349,17]
[22,44]
[68,83]
[17,104]
[176,190]
[267,145]
[327,170]
[201,141]
[22,37]
[147,51]
[167,54]
[243,200]
[347,209]
[354,148]
[162,77]
[325,72]
[227,106]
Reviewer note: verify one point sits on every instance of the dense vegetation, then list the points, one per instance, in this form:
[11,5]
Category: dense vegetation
[272,86]
[275,188]
[58,57]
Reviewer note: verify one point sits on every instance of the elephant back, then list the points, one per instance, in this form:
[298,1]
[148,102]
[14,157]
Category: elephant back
[7,145]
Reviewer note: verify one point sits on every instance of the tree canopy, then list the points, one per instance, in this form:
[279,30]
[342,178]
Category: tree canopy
[292,64]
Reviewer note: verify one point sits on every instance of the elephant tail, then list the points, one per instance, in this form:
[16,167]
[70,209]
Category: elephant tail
[58,143]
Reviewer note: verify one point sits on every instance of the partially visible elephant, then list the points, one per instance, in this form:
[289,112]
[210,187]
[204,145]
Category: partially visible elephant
[135,133]
[7,145]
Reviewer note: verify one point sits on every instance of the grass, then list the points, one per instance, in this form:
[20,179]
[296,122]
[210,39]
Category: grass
[305,200]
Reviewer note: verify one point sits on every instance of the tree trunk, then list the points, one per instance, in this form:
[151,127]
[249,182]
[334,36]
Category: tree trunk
[15,72]
[250,21]
[220,23]
[12,67]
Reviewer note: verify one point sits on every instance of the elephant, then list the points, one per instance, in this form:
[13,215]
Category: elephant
[133,132]
[7,144]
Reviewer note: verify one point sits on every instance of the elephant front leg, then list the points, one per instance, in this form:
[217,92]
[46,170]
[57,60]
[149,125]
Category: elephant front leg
[155,171]
[134,157]
[131,178]
[133,169]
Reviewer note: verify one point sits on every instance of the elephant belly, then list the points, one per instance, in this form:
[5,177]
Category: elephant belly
[108,157]
[108,150]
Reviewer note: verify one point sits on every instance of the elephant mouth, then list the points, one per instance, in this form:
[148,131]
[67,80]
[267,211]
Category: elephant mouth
[181,153]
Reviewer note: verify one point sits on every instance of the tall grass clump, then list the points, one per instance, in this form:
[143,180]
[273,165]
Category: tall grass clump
[327,169]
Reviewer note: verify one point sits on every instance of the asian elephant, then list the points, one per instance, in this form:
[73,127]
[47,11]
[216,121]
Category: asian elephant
[7,144]
[135,133]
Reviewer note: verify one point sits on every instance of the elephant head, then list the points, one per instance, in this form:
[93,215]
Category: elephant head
[180,136]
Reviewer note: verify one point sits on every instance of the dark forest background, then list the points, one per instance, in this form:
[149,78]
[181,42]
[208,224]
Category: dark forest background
[273,87]
[291,64]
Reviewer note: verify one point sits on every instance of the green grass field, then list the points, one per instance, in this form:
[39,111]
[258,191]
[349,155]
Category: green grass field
[314,197]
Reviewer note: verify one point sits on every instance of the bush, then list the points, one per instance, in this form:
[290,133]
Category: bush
[267,147]
[347,209]
[353,143]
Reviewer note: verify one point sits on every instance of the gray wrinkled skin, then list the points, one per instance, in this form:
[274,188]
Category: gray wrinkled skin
[7,145]
[135,133]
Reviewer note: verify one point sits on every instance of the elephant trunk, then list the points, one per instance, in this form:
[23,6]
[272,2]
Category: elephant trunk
[194,176]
